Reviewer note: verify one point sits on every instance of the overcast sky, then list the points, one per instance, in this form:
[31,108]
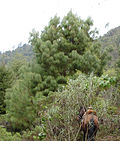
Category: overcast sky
[19,17]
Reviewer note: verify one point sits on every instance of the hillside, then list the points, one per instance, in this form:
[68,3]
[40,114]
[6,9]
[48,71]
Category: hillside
[111,41]
[23,51]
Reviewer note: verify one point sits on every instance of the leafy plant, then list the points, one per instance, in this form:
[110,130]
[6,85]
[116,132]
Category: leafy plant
[7,136]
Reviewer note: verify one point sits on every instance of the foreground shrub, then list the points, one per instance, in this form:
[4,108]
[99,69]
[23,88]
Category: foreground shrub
[7,136]
[62,116]
[37,134]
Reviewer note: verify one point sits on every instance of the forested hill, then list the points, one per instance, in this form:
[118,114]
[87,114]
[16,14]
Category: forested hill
[24,51]
[111,40]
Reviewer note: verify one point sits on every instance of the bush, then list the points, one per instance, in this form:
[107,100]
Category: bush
[37,134]
[7,136]
[62,116]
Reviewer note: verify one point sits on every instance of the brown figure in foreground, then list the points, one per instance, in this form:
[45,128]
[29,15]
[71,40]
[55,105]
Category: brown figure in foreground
[89,123]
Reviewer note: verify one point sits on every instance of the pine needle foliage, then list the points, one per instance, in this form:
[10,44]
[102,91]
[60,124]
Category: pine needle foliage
[65,46]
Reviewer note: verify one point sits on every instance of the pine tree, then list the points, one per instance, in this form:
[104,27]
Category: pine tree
[64,47]
[21,104]
[17,62]
[5,82]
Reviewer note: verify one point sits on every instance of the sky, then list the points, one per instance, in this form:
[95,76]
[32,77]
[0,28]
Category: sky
[19,17]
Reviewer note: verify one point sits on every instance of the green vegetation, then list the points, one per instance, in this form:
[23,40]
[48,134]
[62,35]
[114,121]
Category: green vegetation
[5,82]
[21,51]
[7,136]
[79,92]
[40,97]
[111,42]
[64,47]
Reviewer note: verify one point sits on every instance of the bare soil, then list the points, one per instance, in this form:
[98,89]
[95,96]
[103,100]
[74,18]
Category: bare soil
[109,138]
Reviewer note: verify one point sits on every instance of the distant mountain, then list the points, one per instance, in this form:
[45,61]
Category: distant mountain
[111,41]
[25,51]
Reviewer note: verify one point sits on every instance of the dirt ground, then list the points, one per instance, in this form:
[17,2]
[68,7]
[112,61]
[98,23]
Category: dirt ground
[109,138]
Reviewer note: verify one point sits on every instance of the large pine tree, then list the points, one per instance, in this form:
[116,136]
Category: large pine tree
[64,47]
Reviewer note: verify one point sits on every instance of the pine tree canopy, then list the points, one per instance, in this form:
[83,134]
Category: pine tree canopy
[64,47]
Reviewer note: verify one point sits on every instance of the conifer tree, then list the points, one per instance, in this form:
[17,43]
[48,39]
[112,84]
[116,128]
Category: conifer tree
[17,62]
[21,104]
[64,47]
[5,82]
